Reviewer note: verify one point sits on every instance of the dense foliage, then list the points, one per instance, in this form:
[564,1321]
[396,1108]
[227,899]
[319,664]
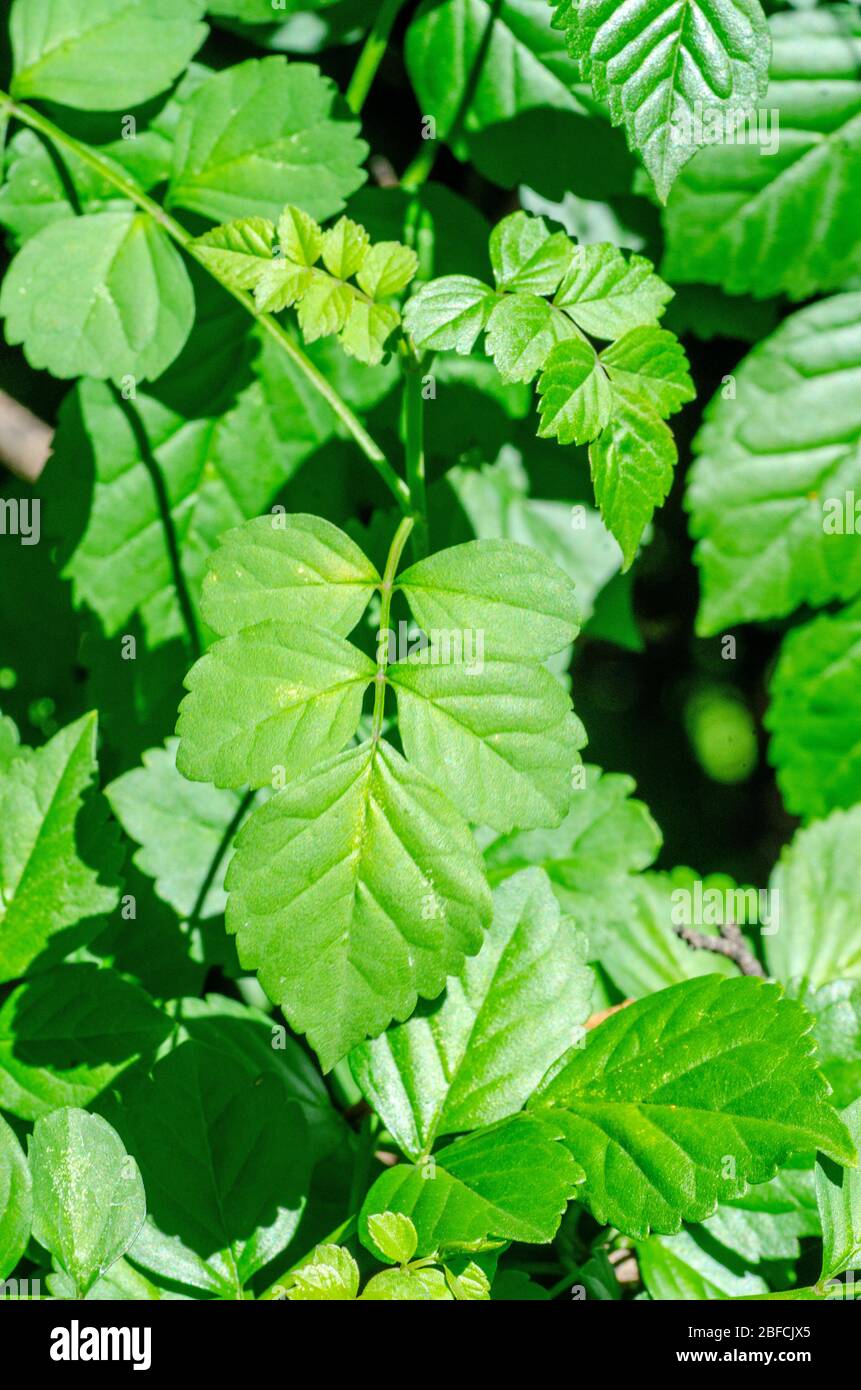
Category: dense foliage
[373,333]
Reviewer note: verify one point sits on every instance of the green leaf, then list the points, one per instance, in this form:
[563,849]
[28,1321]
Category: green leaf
[817,940]
[103,296]
[499,738]
[58,856]
[393,1236]
[68,1034]
[329,1274]
[607,295]
[525,256]
[274,695]
[778,455]
[576,399]
[353,891]
[522,602]
[510,1181]
[183,831]
[88,1197]
[239,251]
[521,331]
[838,1193]
[261,134]
[16,1201]
[299,236]
[814,715]
[449,313]
[664,68]
[683,1099]
[387,268]
[680,1268]
[476,1056]
[837,1010]
[632,466]
[34,195]
[752,214]
[226,1162]
[367,328]
[649,363]
[407,1285]
[344,248]
[78,53]
[293,567]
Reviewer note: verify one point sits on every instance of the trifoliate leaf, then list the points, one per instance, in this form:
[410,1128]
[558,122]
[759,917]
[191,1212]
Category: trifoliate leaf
[329,1274]
[752,213]
[353,891]
[838,1192]
[393,1236]
[226,1162]
[498,738]
[576,400]
[449,313]
[477,1055]
[183,829]
[104,296]
[817,940]
[814,715]
[78,53]
[238,252]
[16,1201]
[667,69]
[261,134]
[685,1098]
[293,567]
[607,295]
[88,1197]
[274,696]
[779,461]
[68,1034]
[58,855]
[523,603]
[521,331]
[510,1181]
[651,363]
[387,268]
[632,466]
[525,256]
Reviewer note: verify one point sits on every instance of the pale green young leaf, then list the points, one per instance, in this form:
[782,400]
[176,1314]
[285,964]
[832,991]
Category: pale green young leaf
[121,303]
[324,307]
[280,284]
[449,313]
[752,214]
[817,940]
[239,252]
[279,695]
[607,295]
[88,1196]
[261,134]
[838,1193]
[407,1286]
[778,461]
[471,1285]
[353,891]
[345,247]
[521,331]
[67,1034]
[665,68]
[576,401]
[393,1236]
[510,1181]
[367,328]
[328,1275]
[498,737]
[649,363]
[476,1056]
[814,714]
[77,53]
[298,568]
[632,465]
[59,855]
[683,1099]
[525,256]
[299,237]
[387,269]
[16,1200]
[523,603]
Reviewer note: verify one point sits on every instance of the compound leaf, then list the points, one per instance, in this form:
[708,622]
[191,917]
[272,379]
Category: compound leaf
[607,295]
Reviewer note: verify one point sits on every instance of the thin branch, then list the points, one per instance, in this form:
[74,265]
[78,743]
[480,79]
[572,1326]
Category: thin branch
[372,54]
[730,943]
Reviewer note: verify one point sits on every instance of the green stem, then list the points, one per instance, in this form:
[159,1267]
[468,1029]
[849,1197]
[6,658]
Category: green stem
[117,179]
[387,589]
[417,173]
[414,421]
[343,1232]
[372,54]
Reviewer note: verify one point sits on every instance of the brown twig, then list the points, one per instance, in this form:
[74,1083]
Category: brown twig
[730,943]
